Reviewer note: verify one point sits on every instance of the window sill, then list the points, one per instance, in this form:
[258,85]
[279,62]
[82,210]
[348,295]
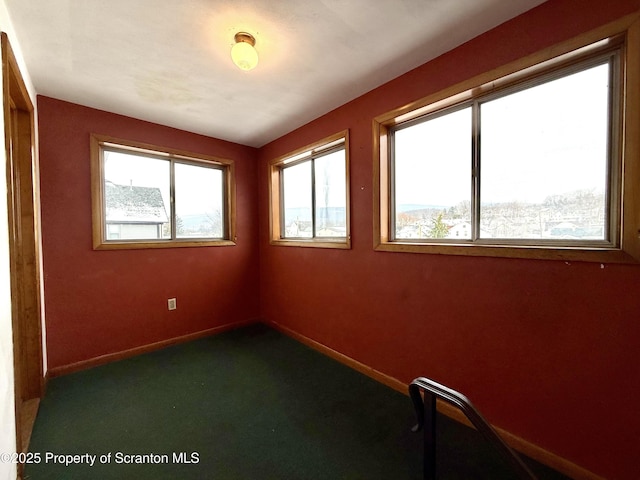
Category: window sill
[602,255]
[136,245]
[313,243]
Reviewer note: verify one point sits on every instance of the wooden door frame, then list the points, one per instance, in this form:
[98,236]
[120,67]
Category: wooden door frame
[24,250]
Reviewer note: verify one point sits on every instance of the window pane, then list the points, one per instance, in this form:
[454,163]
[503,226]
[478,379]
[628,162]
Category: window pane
[297,200]
[544,160]
[136,197]
[433,178]
[331,195]
[199,201]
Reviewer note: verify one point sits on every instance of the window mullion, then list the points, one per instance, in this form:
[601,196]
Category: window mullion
[475,171]
[392,205]
[313,198]
[281,208]
[225,206]
[172,200]
[612,208]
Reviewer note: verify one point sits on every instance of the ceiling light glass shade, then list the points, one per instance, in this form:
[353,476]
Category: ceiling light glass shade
[243,54]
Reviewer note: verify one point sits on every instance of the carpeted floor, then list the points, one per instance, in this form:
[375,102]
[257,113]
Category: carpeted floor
[247,404]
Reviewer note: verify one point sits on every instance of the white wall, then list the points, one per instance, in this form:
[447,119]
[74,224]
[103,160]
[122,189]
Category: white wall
[7,407]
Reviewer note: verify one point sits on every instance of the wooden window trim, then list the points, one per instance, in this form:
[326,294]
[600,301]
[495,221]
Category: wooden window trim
[275,214]
[97,194]
[627,30]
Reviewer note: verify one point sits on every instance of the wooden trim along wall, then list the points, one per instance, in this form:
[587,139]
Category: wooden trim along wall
[22,204]
[523,446]
[132,352]
[24,231]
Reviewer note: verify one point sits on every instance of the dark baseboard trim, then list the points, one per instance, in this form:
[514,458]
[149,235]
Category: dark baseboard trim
[350,362]
[523,446]
[132,352]
[527,448]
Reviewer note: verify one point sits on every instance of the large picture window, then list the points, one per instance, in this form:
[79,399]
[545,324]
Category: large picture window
[146,197]
[529,164]
[310,195]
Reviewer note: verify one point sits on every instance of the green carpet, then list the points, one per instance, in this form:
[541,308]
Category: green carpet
[247,404]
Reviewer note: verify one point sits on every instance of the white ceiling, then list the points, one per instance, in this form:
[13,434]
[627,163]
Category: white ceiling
[168,61]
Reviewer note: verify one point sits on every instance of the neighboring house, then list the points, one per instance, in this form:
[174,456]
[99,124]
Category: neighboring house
[460,230]
[134,212]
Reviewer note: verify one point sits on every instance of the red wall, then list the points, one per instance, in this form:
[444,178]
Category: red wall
[547,350]
[101,302]
[537,345]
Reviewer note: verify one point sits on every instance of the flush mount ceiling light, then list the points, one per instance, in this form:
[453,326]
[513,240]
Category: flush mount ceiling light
[242,53]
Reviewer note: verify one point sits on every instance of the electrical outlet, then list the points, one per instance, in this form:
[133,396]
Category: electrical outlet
[171,304]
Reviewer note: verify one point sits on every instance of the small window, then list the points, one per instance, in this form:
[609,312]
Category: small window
[525,165]
[147,197]
[310,195]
